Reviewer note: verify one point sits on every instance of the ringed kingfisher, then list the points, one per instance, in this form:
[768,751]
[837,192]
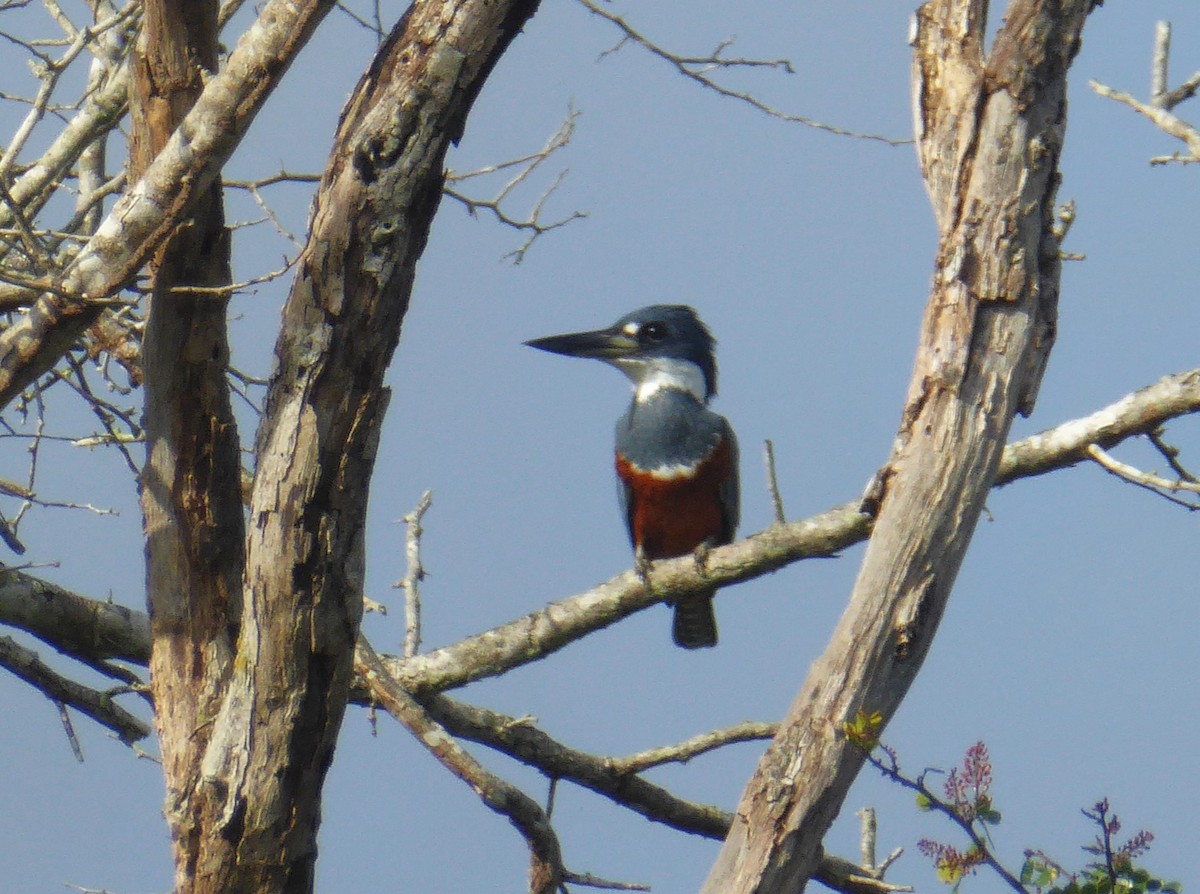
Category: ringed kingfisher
[676,460]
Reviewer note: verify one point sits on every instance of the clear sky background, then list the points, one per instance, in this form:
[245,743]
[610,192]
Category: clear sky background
[1069,645]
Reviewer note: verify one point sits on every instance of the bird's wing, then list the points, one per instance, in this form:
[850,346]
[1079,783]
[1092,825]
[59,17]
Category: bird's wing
[626,496]
[730,489]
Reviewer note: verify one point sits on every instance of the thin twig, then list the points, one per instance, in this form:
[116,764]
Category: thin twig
[272,180]
[587,880]
[34,250]
[525,166]
[69,729]
[107,413]
[1183,92]
[1167,122]
[1153,483]
[49,74]
[1171,455]
[521,740]
[411,585]
[376,27]
[696,68]
[868,831]
[891,770]
[1158,65]
[233,288]
[254,188]
[1174,158]
[773,482]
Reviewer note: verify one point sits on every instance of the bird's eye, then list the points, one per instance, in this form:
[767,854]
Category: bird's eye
[653,332]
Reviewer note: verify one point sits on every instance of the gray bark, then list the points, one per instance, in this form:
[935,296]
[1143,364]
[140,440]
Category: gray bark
[990,130]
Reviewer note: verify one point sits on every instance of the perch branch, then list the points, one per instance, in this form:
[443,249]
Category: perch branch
[80,626]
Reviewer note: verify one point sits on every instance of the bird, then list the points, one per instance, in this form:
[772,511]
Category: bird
[676,460]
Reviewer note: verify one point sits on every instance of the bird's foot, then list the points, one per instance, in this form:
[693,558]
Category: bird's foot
[643,566]
[700,556]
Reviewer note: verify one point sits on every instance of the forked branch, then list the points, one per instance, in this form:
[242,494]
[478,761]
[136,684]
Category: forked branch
[1163,99]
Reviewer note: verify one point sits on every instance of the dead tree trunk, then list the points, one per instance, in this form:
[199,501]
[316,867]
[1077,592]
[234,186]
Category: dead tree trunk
[990,130]
[271,737]
[190,485]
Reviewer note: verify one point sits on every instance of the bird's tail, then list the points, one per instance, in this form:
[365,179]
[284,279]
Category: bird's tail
[695,624]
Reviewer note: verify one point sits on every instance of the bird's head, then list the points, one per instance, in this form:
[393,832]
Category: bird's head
[660,346]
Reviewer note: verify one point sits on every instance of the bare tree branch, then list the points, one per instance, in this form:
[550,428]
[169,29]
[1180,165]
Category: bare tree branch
[263,771]
[1171,455]
[411,585]
[617,779]
[697,68]
[49,75]
[89,630]
[1163,100]
[1140,413]
[152,208]
[773,482]
[100,706]
[1160,64]
[1161,94]
[682,752]
[524,742]
[843,875]
[1166,121]
[100,630]
[545,631]
[1153,483]
[525,167]
[100,111]
[97,631]
[546,866]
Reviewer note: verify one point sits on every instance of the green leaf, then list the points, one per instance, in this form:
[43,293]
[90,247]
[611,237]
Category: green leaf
[989,816]
[949,874]
[1071,887]
[1030,870]
[864,729]
[1037,873]
[923,803]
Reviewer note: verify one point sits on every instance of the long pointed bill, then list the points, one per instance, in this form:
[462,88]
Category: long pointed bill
[600,344]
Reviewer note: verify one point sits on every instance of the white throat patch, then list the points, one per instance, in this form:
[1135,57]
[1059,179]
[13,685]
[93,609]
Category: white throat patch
[649,376]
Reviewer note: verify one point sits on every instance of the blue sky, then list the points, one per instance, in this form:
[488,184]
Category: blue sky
[1068,645]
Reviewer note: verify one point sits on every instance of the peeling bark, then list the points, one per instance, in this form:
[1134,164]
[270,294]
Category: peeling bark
[190,485]
[990,130]
[274,735]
